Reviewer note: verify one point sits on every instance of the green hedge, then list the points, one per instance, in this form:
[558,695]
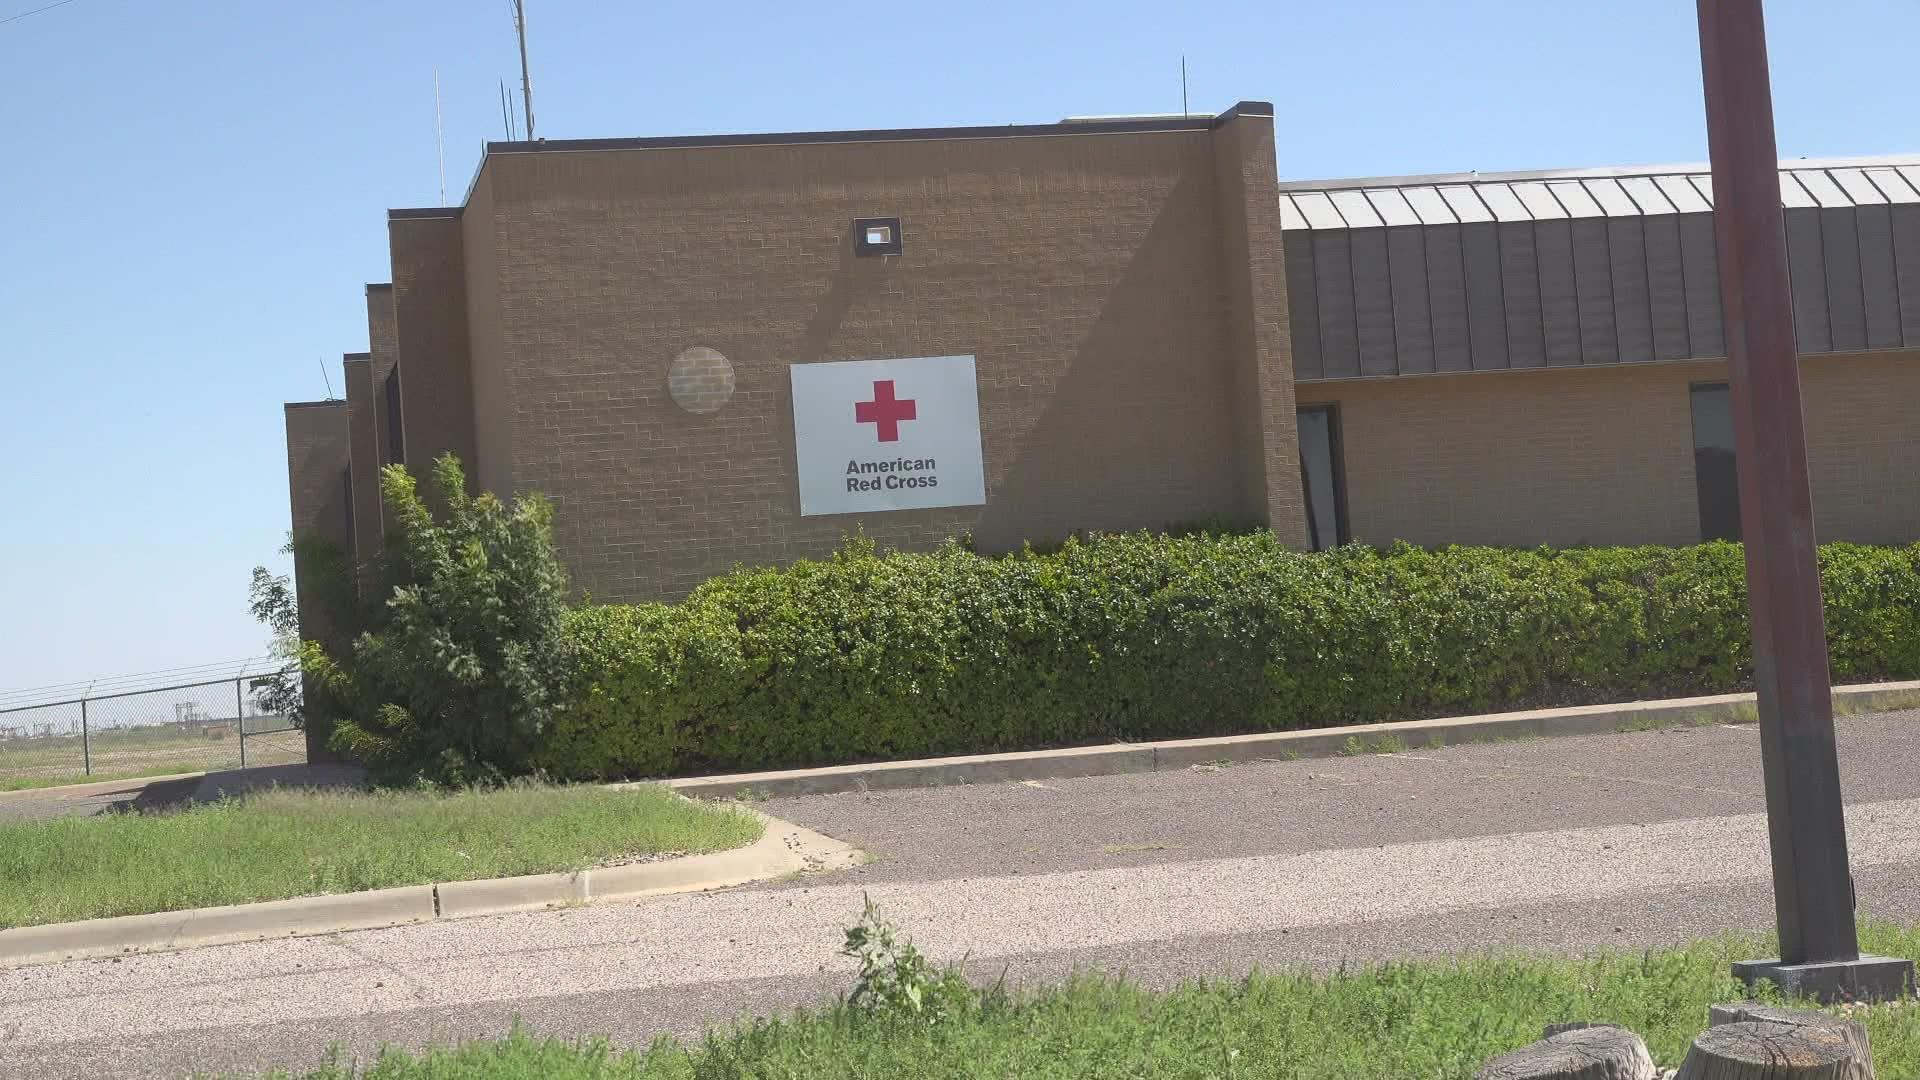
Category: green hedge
[869,656]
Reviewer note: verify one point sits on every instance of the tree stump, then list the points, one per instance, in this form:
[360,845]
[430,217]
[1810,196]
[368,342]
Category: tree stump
[1772,1050]
[1600,1052]
[1740,1011]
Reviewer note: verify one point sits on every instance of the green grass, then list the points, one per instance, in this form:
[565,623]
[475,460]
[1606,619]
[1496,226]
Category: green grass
[281,844]
[1427,1020]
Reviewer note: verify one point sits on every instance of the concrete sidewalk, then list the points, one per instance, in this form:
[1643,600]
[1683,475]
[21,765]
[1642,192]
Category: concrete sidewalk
[1572,843]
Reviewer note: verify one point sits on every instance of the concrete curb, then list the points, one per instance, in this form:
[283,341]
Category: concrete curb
[86,788]
[783,848]
[1317,743]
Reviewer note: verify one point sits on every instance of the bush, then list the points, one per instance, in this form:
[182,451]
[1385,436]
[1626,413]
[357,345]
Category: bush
[464,670]
[869,656]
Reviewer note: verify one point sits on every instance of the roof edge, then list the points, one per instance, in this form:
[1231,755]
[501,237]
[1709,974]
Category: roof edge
[330,403]
[1697,167]
[424,212]
[1114,126]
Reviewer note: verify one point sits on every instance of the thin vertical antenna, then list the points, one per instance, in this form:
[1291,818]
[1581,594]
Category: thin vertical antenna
[1183,85]
[328,379]
[526,79]
[506,115]
[439,136]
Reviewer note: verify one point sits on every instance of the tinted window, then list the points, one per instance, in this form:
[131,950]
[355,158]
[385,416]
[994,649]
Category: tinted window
[1320,477]
[1713,463]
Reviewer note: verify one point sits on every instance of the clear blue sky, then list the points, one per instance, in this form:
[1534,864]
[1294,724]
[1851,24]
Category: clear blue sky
[192,195]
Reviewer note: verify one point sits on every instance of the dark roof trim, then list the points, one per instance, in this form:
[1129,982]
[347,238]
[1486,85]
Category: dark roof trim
[381,286]
[356,358]
[1118,126]
[425,212]
[331,403]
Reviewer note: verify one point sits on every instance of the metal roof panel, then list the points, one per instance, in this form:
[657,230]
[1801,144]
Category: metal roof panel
[1606,191]
[1392,206]
[1466,203]
[1680,191]
[1822,188]
[1793,196]
[1646,195]
[1573,195]
[1428,203]
[1893,185]
[1355,208]
[1290,215]
[1858,188]
[1506,206]
[1318,210]
[1539,201]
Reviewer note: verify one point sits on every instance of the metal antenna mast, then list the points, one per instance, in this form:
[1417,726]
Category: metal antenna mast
[440,136]
[526,80]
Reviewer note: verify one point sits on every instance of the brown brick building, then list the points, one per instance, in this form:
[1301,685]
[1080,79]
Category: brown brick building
[1162,332]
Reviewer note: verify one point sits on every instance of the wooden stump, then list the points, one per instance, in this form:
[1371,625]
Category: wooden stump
[1601,1052]
[1771,1050]
[1741,1011]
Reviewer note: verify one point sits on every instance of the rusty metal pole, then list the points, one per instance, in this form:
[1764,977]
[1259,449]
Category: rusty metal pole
[1813,890]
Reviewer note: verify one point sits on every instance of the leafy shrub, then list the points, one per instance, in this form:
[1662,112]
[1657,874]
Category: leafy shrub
[466,668]
[896,981]
[868,655]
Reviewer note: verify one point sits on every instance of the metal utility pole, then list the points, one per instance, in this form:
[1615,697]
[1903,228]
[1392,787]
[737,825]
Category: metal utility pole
[1813,891]
[526,80]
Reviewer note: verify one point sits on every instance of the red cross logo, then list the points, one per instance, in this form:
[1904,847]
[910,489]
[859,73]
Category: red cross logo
[883,412]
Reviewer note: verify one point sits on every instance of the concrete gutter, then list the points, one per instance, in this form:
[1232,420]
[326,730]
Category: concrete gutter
[1282,745]
[783,848]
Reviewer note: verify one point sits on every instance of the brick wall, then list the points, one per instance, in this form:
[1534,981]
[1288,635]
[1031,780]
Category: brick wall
[1604,455]
[1084,272]
[1253,272]
[383,347]
[317,463]
[363,413]
[430,331]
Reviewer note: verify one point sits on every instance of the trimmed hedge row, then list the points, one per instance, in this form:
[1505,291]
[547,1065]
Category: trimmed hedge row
[868,656]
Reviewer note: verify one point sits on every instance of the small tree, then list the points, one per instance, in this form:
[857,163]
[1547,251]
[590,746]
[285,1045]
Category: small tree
[467,664]
[273,601]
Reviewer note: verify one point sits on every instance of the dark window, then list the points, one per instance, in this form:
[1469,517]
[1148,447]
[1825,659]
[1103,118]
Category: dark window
[1320,479]
[1713,463]
[396,442]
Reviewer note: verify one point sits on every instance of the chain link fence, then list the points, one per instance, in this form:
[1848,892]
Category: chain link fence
[188,727]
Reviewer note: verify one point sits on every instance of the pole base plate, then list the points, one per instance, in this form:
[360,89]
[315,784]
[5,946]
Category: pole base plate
[1868,979]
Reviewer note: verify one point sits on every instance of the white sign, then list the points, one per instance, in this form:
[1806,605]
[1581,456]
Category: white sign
[887,434]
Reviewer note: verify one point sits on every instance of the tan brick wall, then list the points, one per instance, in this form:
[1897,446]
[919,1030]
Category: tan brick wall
[364,453]
[383,346]
[1084,273]
[1253,270]
[493,407]
[430,328]
[317,460]
[1604,455]
[1863,446]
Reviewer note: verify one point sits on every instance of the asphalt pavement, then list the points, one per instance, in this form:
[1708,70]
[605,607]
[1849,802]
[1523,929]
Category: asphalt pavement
[1571,844]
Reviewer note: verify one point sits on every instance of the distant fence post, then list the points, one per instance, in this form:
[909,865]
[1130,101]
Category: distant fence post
[240,720]
[86,741]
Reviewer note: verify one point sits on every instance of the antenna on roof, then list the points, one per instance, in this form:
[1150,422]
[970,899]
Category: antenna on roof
[526,80]
[506,115]
[439,136]
[328,379]
[1183,85]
